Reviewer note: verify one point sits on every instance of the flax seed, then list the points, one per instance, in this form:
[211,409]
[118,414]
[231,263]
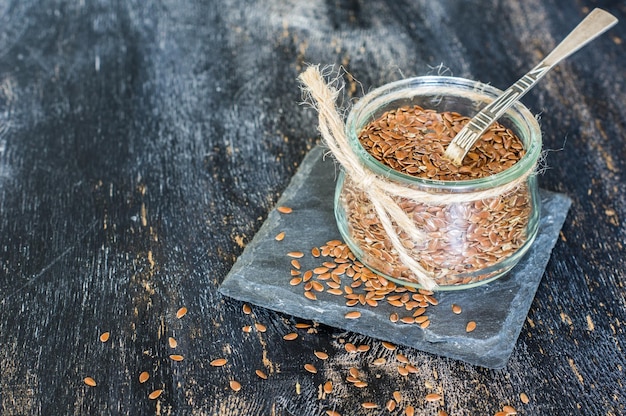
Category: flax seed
[181,312]
[143,377]
[246,328]
[260,327]
[391,405]
[456,309]
[397,396]
[235,385]
[337,292]
[280,236]
[321,355]
[290,336]
[350,347]
[332,413]
[353,315]
[409,411]
[155,394]
[284,210]
[310,295]
[369,405]
[247,309]
[310,368]
[328,387]
[379,361]
[295,254]
[315,252]
[104,337]
[403,371]
[295,264]
[509,410]
[433,397]
[302,325]
[172,342]
[176,357]
[295,281]
[524,398]
[261,374]
[388,345]
[471,325]
[90,381]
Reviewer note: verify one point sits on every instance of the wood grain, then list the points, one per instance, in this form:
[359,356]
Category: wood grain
[143,144]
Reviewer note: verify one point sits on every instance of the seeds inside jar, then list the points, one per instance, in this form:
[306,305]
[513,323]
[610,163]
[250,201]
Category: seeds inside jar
[460,237]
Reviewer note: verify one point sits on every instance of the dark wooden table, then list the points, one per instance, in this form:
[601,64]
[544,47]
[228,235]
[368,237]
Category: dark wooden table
[142,145]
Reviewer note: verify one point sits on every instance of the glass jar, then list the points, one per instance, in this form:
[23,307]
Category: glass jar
[470,241]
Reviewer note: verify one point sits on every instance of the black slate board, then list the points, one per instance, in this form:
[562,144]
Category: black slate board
[261,276]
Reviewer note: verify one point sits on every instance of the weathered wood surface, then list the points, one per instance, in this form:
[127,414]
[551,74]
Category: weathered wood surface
[142,144]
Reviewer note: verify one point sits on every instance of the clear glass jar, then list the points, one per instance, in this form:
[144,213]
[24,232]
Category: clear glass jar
[468,243]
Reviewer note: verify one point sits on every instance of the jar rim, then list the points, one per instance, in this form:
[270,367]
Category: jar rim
[409,88]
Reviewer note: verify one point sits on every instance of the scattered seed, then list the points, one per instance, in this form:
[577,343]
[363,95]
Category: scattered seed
[524,398]
[360,384]
[261,374]
[456,309]
[295,264]
[181,312]
[403,371]
[471,325]
[321,355]
[442,412]
[104,337]
[328,387]
[310,295]
[363,348]
[389,345]
[155,394]
[284,210]
[302,325]
[143,377]
[296,254]
[218,362]
[246,328]
[310,368]
[172,342]
[397,396]
[332,413]
[409,411]
[433,397]
[354,372]
[369,405]
[290,336]
[391,405]
[353,315]
[337,292]
[260,327]
[235,385]
[280,236]
[90,381]
[176,357]
[402,358]
[425,324]
[509,410]
[350,347]
[379,361]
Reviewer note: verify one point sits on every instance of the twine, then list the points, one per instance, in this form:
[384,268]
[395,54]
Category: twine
[380,190]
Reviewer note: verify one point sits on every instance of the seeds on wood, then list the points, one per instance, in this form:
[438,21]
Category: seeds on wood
[328,387]
[295,281]
[235,385]
[104,337]
[391,405]
[321,355]
[143,377]
[524,398]
[389,345]
[181,312]
[409,411]
[471,325]
[433,397]
[296,254]
[155,394]
[280,236]
[509,410]
[403,371]
[302,325]
[218,362]
[310,295]
[369,405]
[176,357]
[261,374]
[284,210]
[290,336]
[456,309]
[260,327]
[172,342]
[397,396]
[310,368]
[90,381]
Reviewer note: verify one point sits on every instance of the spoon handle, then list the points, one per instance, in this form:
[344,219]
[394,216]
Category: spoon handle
[596,23]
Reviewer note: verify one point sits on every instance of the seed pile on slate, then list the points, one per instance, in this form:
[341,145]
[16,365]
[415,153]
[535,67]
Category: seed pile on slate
[366,289]
[461,238]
